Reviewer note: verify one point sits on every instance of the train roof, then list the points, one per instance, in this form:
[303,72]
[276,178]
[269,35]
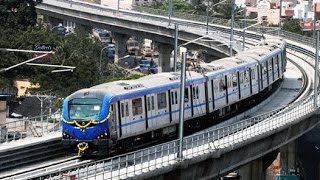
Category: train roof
[146,82]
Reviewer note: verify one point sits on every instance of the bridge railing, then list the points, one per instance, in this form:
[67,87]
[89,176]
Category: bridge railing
[207,142]
[31,127]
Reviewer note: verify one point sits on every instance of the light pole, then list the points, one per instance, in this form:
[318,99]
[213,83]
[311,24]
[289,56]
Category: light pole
[170,11]
[100,70]
[232,24]
[175,48]
[244,28]
[181,114]
[316,66]
[182,87]
[314,21]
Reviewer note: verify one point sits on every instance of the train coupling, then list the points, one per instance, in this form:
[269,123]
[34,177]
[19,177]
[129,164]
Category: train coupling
[82,147]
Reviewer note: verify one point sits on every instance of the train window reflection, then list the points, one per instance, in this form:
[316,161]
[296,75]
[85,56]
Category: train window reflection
[84,109]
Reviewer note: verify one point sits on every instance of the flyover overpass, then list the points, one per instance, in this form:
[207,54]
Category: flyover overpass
[123,25]
[210,153]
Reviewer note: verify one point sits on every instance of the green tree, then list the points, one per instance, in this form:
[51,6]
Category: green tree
[292,25]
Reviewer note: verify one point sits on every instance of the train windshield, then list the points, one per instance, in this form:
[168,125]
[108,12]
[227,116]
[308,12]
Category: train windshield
[84,109]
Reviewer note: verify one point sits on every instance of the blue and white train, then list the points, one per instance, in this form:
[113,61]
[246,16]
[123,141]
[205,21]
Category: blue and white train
[125,114]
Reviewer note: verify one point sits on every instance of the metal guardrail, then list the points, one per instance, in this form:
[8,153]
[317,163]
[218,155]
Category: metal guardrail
[32,127]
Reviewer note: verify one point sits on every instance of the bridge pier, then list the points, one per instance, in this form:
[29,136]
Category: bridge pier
[120,46]
[3,110]
[165,51]
[288,158]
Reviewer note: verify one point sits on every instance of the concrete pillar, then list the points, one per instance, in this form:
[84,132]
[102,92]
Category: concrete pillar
[288,158]
[165,51]
[253,170]
[3,112]
[120,46]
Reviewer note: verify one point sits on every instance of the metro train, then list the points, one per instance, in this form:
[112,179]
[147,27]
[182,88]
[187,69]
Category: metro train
[126,114]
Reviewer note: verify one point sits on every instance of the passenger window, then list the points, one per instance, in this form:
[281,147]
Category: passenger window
[127,109]
[152,102]
[176,95]
[222,85]
[186,95]
[172,99]
[148,103]
[122,110]
[136,106]
[195,92]
[162,101]
[234,80]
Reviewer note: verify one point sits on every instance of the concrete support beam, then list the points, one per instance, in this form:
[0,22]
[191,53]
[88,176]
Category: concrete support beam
[120,46]
[253,170]
[3,111]
[165,51]
[288,158]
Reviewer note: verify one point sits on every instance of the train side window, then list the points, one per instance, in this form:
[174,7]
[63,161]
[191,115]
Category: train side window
[148,103]
[246,76]
[172,98]
[241,77]
[152,102]
[136,106]
[176,95]
[234,80]
[222,84]
[186,95]
[162,100]
[195,91]
[127,109]
[122,110]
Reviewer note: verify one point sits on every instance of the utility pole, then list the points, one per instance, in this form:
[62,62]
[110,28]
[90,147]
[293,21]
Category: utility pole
[170,11]
[316,79]
[175,47]
[181,114]
[244,28]
[314,21]
[232,24]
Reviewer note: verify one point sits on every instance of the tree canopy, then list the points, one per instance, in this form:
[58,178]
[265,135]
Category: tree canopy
[19,30]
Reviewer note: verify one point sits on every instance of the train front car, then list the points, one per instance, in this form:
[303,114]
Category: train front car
[86,115]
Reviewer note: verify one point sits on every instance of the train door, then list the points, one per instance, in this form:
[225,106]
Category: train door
[187,102]
[174,105]
[270,70]
[275,68]
[220,92]
[162,109]
[199,106]
[210,93]
[125,117]
[264,75]
[138,115]
[241,84]
[151,110]
[255,79]
[246,81]
[113,120]
[233,95]
[280,65]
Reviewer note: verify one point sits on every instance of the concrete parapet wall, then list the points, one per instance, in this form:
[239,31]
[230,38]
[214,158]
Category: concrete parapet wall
[220,162]
[3,110]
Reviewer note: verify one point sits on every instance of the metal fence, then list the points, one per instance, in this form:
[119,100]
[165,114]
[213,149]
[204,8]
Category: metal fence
[206,143]
[32,127]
